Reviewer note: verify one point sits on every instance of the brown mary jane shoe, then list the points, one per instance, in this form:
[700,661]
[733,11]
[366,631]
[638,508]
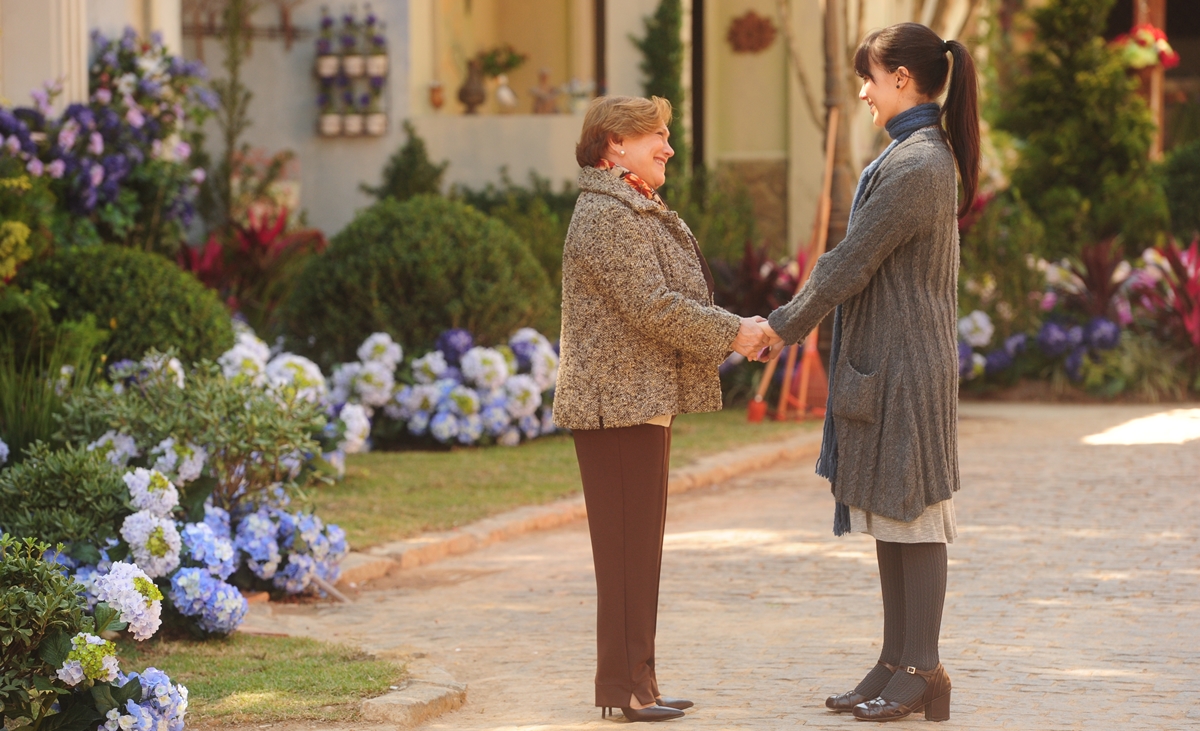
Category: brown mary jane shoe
[846,702]
[935,701]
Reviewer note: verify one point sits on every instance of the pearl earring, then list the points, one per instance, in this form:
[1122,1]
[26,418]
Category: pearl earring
[622,152]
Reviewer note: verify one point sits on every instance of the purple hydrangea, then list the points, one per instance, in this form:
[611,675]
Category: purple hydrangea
[964,359]
[1074,364]
[998,361]
[454,343]
[1102,334]
[1052,339]
[1016,344]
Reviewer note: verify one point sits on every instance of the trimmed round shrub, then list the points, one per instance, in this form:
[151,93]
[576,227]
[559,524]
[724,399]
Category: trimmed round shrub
[145,300]
[412,270]
[70,496]
[1182,183]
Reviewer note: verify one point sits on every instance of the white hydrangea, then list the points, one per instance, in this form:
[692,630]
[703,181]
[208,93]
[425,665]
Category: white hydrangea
[341,383]
[186,461]
[424,397]
[429,367]
[380,348]
[374,383]
[545,367]
[116,448]
[161,366]
[3,452]
[976,329]
[247,339]
[358,428]
[129,590]
[288,370]
[529,335]
[464,401]
[153,541]
[242,361]
[486,368]
[152,491]
[524,396]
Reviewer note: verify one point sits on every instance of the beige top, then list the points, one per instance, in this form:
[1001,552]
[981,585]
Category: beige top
[936,525]
[661,420]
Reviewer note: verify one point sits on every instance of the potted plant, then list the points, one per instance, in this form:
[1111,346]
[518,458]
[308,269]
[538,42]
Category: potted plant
[376,45]
[353,63]
[352,115]
[329,122]
[327,58]
[376,119]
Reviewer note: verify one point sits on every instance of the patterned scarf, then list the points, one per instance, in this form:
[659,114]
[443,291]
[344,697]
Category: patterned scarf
[900,128]
[641,186]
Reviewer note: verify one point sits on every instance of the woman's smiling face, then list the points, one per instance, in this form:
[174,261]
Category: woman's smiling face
[645,155]
[884,91]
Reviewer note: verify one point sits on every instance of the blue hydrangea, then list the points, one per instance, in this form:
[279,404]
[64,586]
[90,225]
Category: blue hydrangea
[296,574]
[1016,344]
[204,547]
[454,343]
[1075,336]
[998,361]
[1052,339]
[418,423]
[444,427]
[218,520]
[495,420]
[164,704]
[524,350]
[1102,334]
[470,429]
[530,426]
[256,538]
[217,606]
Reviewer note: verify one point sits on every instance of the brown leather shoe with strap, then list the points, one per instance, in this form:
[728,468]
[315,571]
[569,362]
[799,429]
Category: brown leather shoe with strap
[935,701]
[846,702]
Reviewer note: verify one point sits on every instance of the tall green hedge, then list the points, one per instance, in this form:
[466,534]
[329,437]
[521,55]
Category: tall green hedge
[413,269]
[144,299]
[1182,181]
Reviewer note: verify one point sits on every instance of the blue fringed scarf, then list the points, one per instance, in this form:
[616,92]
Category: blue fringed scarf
[900,128]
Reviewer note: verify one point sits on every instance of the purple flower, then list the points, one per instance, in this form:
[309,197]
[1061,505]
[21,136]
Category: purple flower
[453,343]
[348,97]
[364,101]
[95,144]
[1102,334]
[134,117]
[149,87]
[998,361]
[96,175]
[1074,364]
[1075,336]
[1015,344]
[965,363]
[102,96]
[326,22]
[376,83]
[129,39]
[56,168]
[1048,301]
[82,115]
[1052,339]
[324,47]
[35,167]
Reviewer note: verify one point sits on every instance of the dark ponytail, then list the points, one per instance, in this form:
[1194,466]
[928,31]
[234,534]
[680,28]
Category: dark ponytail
[960,118]
[923,53]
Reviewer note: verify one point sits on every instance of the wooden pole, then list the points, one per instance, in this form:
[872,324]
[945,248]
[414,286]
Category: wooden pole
[1154,12]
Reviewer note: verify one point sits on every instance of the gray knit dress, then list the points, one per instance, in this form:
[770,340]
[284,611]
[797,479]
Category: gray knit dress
[895,385]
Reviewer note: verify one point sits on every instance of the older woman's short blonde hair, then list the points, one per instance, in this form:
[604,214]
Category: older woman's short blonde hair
[611,117]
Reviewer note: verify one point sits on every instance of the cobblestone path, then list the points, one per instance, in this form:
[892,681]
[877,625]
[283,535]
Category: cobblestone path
[1073,603]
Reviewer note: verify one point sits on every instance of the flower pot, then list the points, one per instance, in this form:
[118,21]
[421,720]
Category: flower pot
[327,66]
[437,95]
[376,124]
[330,125]
[353,66]
[352,125]
[472,93]
[377,65]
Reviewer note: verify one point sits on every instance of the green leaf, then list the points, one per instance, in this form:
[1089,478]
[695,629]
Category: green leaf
[84,553]
[55,648]
[77,714]
[103,694]
[44,685]
[194,496]
[131,691]
[107,618]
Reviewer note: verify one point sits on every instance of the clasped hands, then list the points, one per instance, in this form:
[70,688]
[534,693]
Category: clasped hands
[757,340]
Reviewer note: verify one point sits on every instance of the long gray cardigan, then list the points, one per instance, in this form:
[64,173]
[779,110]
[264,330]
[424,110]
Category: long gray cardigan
[895,389]
[640,333]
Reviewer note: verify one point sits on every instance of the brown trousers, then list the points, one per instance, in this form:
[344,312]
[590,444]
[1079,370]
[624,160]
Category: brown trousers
[624,473]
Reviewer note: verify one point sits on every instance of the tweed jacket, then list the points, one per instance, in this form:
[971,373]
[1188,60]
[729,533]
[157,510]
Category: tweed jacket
[895,389]
[640,333]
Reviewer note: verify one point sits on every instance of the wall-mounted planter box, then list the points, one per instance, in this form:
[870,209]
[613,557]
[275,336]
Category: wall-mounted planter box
[376,124]
[354,66]
[377,65]
[352,125]
[330,125]
[327,66]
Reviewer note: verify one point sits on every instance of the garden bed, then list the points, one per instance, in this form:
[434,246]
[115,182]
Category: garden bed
[247,679]
[389,496]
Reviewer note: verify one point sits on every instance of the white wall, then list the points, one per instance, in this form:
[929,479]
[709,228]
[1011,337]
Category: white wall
[622,19]
[40,41]
[111,17]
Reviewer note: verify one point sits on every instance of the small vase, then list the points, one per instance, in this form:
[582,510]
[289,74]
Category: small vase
[437,95]
[327,66]
[330,125]
[353,66]
[377,65]
[472,93]
[376,123]
[352,125]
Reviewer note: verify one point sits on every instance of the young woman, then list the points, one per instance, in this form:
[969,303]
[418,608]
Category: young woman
[890,445]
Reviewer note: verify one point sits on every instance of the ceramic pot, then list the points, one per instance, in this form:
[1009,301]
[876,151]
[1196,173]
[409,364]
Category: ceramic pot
[376,123]
[330,125]
[377,65]
[354,66]
[472,93]
[437,95]
[352,125]
[327,66]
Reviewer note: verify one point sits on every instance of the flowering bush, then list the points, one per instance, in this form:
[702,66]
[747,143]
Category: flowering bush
[1145,46]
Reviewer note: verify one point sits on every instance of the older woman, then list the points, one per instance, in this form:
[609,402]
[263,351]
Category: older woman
[641,342]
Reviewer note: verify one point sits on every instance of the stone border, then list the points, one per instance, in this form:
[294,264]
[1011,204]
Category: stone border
[378,561]
[428,692]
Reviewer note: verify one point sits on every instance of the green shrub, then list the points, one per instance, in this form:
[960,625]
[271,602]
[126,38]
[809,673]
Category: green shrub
[411,270]
[249,432]
[995,275]
[37,601]
[1182,182]
[145,300]
[71,496]
[409,171]
[720,213]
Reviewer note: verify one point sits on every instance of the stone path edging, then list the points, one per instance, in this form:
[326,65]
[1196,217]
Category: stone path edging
[429,692]
[378,561]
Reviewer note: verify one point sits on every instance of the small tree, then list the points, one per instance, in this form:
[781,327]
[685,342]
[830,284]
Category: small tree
[409,171]
[662,63]
[1084,135]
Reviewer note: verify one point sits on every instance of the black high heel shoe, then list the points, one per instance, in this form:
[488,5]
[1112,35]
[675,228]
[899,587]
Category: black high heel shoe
[846,702]
[647,715]
[935,701]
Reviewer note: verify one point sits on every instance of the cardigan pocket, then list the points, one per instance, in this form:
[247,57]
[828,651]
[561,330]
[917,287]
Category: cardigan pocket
[857,395]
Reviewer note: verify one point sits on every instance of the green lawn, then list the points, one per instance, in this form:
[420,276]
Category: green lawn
[252,679]
[389,496]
